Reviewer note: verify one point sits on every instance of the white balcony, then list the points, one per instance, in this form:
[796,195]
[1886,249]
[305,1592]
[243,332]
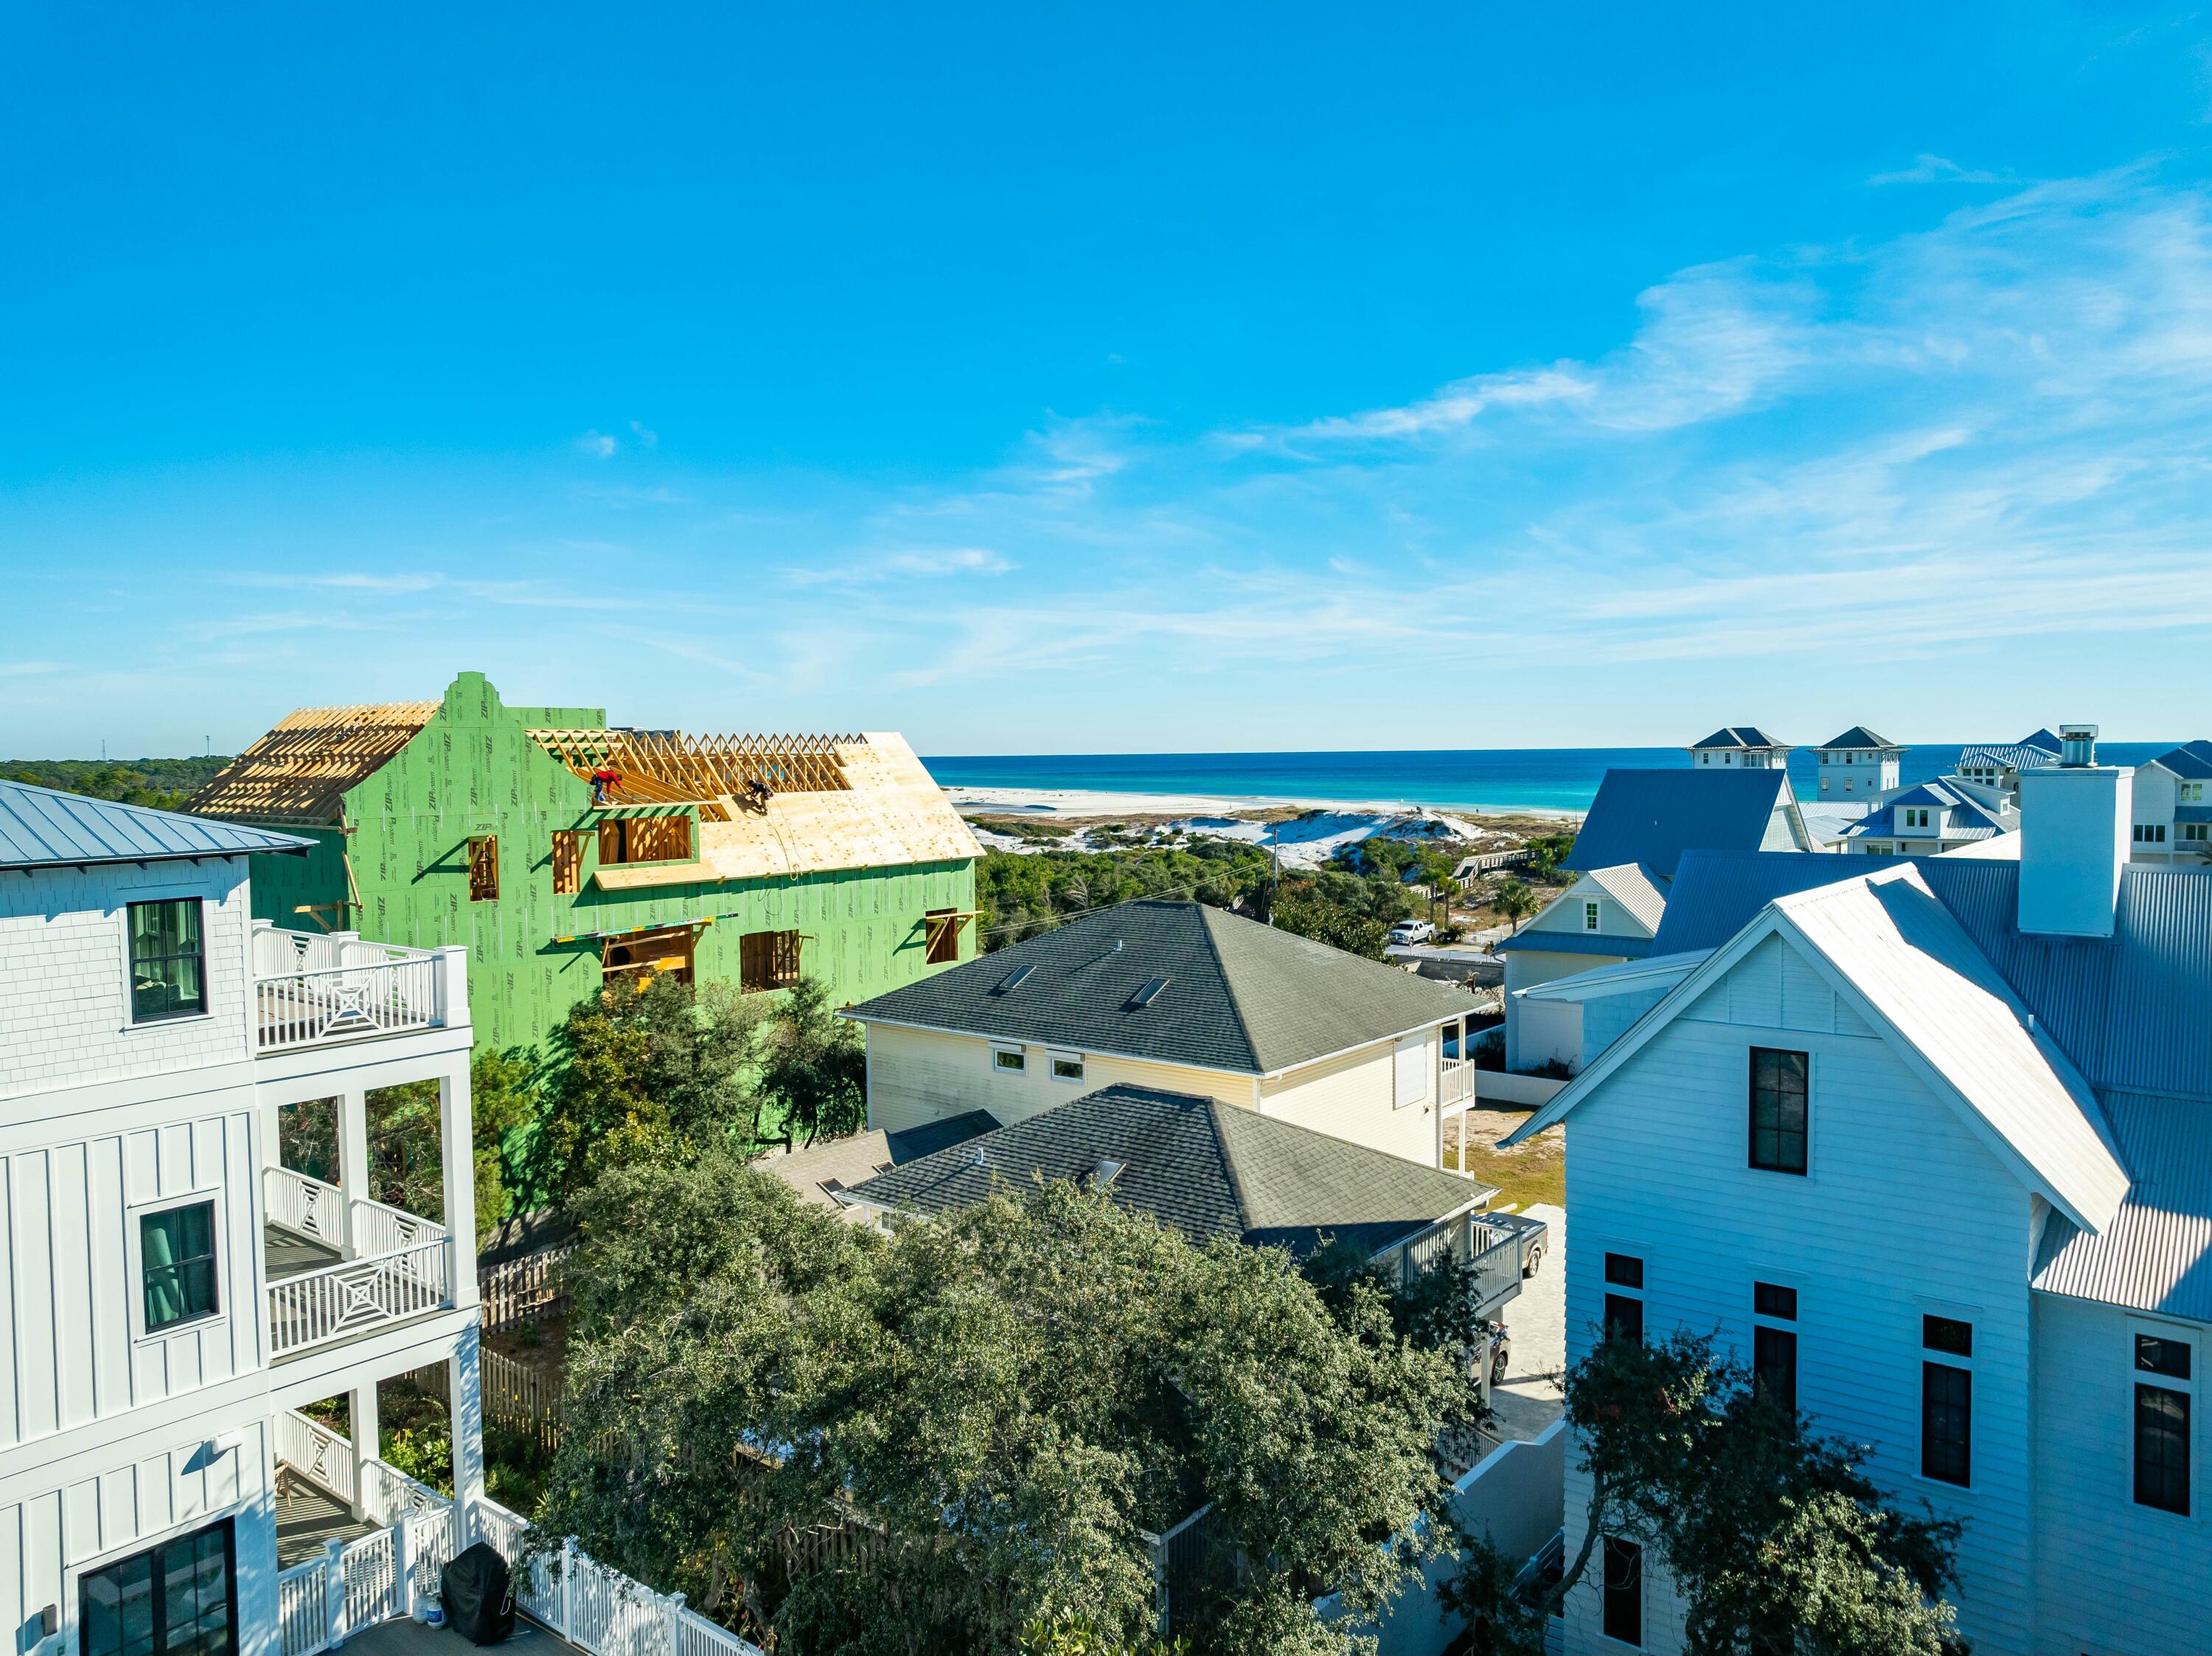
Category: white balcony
[335,1271]
[316,989]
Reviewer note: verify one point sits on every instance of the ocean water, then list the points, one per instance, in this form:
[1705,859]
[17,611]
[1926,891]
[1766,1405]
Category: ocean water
[1544,778]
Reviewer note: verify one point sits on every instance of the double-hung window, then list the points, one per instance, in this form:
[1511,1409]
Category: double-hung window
[1947,1400]
[1589,917]
[1773,1346]
[1778,1114]
[2162,1412]
[168,960]
[1624,1312]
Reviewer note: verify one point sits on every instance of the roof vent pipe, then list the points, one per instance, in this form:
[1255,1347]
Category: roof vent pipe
[1117,945]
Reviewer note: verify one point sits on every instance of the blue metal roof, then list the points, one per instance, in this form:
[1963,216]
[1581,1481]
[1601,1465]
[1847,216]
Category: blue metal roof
[1576,943]
[43,828]
[1971,813]
[2191,759]
[1717,893]
[2154,1256]
[1738,735]
[1651,817]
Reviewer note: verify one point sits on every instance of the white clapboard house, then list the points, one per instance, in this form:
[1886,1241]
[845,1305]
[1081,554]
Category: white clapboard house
[1930,1147]
[175,1296]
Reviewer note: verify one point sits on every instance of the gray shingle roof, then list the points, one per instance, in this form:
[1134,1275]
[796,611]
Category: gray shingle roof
[43,828]
[1738,735]
[850,1160]
[1239,995]
[1651,817]
[1859,736]
[1207,1168]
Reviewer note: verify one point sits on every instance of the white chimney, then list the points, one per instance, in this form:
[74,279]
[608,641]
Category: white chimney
[2074,820]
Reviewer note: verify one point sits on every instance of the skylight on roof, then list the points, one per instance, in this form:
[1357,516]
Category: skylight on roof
[1012,980]
[1146,996]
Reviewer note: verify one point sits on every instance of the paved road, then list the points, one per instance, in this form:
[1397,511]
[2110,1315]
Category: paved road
[1528,1401]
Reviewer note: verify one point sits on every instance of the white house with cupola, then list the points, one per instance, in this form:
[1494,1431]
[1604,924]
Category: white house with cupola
[1739,747]
[1857,766]
[1927,1145]
[177,1297]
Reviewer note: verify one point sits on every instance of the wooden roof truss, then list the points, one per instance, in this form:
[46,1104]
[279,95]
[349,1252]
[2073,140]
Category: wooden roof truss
[720,774]
[300,771]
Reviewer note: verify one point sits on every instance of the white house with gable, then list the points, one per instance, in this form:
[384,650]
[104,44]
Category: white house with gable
[1930,1146]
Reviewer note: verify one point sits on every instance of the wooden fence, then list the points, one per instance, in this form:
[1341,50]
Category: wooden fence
[528,1290]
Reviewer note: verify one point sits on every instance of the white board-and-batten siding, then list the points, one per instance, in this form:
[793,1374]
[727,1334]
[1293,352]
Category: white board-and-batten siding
[1903,1212]
[65,983]
[70,1351]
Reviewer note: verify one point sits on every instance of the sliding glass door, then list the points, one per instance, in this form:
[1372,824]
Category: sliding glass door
[173,1600]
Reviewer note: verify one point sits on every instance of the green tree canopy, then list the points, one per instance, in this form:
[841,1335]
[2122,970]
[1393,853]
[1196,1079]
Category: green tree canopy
[815,1068]
[1002,1397]
[1773,1535]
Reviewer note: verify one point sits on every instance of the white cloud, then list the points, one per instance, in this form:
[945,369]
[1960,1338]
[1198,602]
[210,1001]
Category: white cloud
[646,438]
[598,445]
[29,669]
[928,564]
[1935,169]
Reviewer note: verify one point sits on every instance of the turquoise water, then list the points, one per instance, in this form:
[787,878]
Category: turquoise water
[1544,778]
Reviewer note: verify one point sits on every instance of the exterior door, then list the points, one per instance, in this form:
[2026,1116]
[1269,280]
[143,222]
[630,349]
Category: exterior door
[177,1599]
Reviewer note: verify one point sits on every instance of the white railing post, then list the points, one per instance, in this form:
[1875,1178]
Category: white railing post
[451,1006]
[567,1586]
[334,1593]
[403,1570]
[675,1621]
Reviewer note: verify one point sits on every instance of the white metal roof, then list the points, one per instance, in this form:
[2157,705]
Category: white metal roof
[1619,978]
[1631,887]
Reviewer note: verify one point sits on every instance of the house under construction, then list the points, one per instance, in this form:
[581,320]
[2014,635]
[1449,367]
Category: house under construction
[744,859]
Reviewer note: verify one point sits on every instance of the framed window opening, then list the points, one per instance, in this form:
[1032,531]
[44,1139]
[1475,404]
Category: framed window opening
[1624,1310]
[483,868]
[1780,1087]
[168,938]
[769,959]
[1065,1066]
[568,862]
[1006,1059]
[644,840]
[644,955]
[941,929]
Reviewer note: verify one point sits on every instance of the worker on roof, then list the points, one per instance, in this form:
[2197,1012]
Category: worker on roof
[605,779]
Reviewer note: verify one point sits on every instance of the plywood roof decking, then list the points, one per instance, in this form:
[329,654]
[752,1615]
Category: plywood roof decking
[300,771]
[889,812]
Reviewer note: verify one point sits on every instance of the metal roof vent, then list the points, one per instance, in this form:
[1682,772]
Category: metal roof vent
[1146,996]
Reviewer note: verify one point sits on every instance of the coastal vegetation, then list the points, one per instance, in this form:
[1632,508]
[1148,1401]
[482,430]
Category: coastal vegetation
[157,784]
[1770,1533]
[921,1406]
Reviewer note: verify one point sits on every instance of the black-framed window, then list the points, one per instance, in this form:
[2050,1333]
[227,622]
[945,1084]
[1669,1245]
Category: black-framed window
[1623,1317]
[1624,1591]
[176,1258]
[1774,1366]
[168,960]
[1946,1423]
[2162,1438]
[2154,1355]
[1948,1334]
[1772,1300]
[176,1599]
[1778,1109]
[1624,1271]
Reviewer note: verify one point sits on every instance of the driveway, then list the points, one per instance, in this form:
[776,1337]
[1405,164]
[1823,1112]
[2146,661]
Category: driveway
[1528,1400]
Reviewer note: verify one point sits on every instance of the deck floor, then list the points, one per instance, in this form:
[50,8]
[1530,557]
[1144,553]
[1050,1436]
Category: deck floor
[287,1253]
[413,1639]
[307,1516]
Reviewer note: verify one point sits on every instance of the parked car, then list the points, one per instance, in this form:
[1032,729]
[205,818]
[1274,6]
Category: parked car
[1501,1349]
[1535,1236]
[1407,931]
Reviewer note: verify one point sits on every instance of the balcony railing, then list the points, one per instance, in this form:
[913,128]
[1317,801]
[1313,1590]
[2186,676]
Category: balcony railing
[309,990]
[402,1263]
[1455,1081]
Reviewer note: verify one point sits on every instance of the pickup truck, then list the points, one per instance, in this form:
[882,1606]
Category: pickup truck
[1535,1236]
[1411,932]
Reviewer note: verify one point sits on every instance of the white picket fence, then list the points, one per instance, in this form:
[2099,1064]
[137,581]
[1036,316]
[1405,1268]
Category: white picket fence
[596,1608]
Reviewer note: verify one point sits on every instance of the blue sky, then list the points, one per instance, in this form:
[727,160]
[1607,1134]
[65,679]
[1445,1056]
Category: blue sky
[1068,379]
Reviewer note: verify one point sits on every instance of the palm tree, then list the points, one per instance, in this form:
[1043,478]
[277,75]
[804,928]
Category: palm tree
[1515,900]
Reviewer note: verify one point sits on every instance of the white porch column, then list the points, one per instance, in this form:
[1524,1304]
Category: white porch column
[465,1399]
[353,1158]
[362,1427]
[458,1142]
